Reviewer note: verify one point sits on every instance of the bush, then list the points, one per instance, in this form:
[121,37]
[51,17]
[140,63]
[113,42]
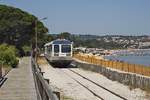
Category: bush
[8,55]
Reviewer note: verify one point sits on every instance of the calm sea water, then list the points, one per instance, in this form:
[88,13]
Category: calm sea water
[143,60]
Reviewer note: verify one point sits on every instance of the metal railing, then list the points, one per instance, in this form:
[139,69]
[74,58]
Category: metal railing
[3,77]
[44,92]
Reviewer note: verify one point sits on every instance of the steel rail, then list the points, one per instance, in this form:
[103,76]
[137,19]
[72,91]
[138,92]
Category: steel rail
[99,85]
[90,90]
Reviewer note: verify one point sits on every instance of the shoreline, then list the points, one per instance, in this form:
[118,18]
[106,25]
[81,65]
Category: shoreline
[132,59]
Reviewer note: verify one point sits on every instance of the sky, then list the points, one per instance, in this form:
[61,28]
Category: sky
[98,17]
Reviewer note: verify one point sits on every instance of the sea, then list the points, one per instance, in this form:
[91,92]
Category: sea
[134,59]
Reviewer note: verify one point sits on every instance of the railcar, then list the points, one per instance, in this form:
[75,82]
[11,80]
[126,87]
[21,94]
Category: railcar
[59,52]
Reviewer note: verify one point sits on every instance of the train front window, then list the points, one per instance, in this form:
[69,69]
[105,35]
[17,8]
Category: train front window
[66,49]
[56,48]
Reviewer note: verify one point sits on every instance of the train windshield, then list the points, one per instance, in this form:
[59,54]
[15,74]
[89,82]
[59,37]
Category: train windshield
[66,48]
[56,48]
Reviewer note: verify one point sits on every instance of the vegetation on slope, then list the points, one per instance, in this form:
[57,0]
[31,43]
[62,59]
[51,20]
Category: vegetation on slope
[17,34]
[17,28]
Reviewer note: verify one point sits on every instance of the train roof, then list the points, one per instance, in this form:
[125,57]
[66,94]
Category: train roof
[59,41]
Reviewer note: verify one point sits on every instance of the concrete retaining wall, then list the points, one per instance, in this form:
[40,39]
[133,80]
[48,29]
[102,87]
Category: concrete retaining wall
[131,79]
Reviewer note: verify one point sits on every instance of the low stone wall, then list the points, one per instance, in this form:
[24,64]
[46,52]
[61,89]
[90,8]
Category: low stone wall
[131,79]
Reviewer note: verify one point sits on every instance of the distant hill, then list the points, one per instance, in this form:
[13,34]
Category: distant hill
[107,41]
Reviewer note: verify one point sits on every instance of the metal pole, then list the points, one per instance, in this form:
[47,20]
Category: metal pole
[36,36]
[36,32]
[1,70]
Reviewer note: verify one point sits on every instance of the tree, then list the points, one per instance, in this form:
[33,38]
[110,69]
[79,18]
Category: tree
[18,27]
[8,55]
[46,38]
[65,35]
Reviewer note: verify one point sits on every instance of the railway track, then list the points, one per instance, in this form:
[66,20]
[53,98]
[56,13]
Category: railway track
[87,88]
[94,87]
[82,85]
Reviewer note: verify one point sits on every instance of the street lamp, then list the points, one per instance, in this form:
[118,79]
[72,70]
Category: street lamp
[36,33]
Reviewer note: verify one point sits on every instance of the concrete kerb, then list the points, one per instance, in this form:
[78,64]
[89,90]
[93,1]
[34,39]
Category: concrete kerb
[130,79]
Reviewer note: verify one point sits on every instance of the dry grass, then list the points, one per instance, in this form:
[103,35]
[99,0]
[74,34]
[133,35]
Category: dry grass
[42,61]
[66,98]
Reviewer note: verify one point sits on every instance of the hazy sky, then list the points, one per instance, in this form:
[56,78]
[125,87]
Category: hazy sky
[127,17]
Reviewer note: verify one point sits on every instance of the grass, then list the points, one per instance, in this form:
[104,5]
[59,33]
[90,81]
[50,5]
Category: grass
[66,98]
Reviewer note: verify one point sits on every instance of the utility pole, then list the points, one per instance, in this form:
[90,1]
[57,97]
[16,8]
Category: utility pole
[36,36]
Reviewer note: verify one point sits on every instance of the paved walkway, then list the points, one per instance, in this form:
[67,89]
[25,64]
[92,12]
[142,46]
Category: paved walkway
[20,83]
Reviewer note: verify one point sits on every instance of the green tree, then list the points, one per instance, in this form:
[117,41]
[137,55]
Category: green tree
[64,35]
[18,27]
[8,55]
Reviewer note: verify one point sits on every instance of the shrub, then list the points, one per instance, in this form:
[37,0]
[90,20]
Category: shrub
[8,55]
